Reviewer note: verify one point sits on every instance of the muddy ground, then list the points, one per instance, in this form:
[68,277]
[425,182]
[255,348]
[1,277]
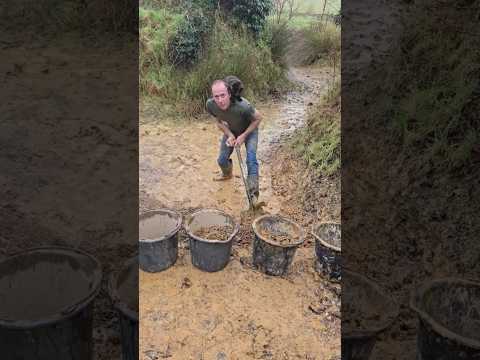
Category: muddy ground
[58,171]
[238,313]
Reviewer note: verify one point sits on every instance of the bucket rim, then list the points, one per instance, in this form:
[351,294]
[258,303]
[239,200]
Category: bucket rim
[320,240]
[190,217]
[113,290]
[283,218]
[361,334]
[418,293]
[178,224]
[68,311]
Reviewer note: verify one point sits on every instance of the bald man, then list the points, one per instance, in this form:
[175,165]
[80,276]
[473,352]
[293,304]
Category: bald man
[238,120]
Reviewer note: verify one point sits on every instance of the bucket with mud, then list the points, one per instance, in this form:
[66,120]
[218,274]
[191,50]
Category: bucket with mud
[276,241]
[158,239]
[449,319]
[366,312]
[46,304]
[123,291]
[211,233]
[328,249]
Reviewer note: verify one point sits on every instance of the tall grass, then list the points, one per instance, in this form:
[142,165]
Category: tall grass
[319,143]
[323,42]
[156,26]
[438,85]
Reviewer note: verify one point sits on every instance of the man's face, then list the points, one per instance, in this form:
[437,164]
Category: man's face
[221,96]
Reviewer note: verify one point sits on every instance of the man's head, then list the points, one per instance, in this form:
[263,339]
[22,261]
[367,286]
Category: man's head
[221,94]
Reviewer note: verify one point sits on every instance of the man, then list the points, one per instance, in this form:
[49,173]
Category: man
[238,120]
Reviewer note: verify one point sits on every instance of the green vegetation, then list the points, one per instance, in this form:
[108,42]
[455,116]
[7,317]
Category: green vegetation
[319,142]
[438,87]
[323,43]
[181,53]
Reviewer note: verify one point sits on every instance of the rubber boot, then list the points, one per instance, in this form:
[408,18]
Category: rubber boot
[227,172]
[253,188]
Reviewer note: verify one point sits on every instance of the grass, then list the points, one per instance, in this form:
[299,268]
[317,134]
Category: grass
[323,39]
[319,143]
[438,80]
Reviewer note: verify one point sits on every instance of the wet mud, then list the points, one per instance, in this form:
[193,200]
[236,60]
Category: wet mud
[221,233]
[52,82]
[238,312]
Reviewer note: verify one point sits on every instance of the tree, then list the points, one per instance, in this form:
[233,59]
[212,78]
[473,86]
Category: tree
[252,13]
[284,8]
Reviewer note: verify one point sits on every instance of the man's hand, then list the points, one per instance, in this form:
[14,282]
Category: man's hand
[240,140]
[230,141]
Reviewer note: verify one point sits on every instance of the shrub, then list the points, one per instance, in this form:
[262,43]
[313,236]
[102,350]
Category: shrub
[232,53]
[186,46]
[225,52]
[252,13]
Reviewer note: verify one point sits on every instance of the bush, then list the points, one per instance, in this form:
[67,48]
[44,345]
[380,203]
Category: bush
[252,13]
[232,53]
[185,47]
[226,52]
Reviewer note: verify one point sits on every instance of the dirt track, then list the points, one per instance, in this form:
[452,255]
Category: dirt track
[237,313]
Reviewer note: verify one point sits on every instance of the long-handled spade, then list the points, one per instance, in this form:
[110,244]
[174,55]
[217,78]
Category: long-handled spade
[252,205]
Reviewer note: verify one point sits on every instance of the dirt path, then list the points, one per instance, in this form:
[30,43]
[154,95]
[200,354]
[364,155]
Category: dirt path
[237,313]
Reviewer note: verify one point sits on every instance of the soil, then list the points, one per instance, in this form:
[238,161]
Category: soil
[239,312]
[411,223]
[214,232]
[282,239]
[52,82]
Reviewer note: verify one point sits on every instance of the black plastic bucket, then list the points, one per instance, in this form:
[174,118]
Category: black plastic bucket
[366,311]
[210,255]
[274,258]
[449,319]
[46,304]
[158,239]
[123,290]
[328,248]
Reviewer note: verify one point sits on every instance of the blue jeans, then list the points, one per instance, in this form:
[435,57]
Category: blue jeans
[251,143]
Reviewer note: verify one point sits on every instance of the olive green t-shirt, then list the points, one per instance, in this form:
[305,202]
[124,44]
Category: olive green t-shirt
[238,116]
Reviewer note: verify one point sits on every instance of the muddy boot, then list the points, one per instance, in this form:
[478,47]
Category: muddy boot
[253,188]
[227,172]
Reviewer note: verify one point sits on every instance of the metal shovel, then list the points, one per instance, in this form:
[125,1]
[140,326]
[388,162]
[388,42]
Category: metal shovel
[242,171]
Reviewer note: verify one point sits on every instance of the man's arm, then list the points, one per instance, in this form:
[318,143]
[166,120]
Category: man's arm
[257,117]
[223,126]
